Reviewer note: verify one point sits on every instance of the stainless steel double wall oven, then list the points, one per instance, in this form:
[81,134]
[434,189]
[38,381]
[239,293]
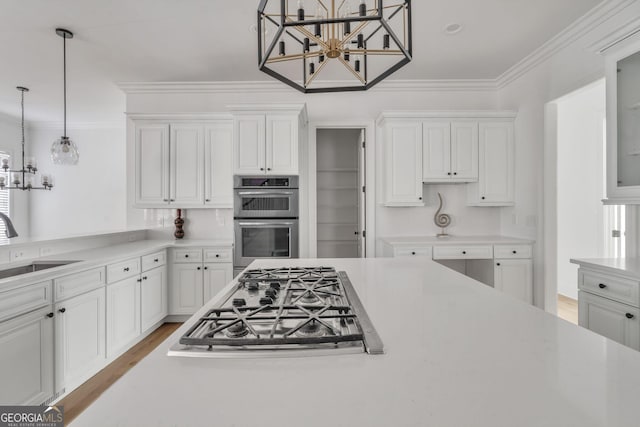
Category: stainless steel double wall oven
[265,218]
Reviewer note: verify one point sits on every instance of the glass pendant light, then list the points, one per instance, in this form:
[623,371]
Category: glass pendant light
[64,151]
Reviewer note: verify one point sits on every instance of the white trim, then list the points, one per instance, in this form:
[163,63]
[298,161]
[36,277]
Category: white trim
[370,135]
[549,226]
[439,114]
[277,108]
[579,28]
[616,37]
[76,125]
[179,116]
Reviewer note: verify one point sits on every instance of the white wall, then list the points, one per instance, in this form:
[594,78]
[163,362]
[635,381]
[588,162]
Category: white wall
[88,197]
[329,109]
[10,141]
[570,68]
[581,183]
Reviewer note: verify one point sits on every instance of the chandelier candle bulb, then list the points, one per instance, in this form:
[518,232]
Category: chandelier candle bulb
[5,163]
[363,8]
[305,44]
[360,41]
[357,65]
[16,179]
[321,57]
[312,68]
[282,48]
[300,11]
[385,41]
[318,30]
[347,28]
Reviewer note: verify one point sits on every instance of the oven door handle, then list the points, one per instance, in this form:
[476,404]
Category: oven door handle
[265,193]
[264,224]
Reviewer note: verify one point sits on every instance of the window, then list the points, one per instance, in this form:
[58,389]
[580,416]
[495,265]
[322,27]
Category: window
[4,204]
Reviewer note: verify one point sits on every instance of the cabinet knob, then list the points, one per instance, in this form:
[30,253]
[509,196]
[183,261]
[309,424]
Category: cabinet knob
[464,252]
[217,255]
[261,169]
[629,316]
[155,260]
[498,264]
[268,169]
[199,268]
[144,277]
[186,255]
[455,173]
[49,315]
[448,173]
[206,268]
[419,198]
[207,200]
[165,200]
[602,286]
[515,252]
[139,280]
[62,310]
[413,253]
[482,197]
[126,269]
[172,200]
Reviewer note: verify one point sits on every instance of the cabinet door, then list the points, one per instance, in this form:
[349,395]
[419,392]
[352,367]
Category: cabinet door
[403,164]
[249,144]
[186,165]
[152,164]
[153,296]
[611,319]
[436,152]
[26,359]
[123,314]
[464,151]
[496,174]
[282,144]
[80,338]
[216,277]
[186,288]
[514,277]
[218,168]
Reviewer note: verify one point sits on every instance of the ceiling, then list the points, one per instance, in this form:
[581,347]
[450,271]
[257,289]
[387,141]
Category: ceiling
[211,40]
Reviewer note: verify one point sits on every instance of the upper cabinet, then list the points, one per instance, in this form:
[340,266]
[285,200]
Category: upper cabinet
[266,141]
[623,125]
[183,164]
[476,148]
[450,152]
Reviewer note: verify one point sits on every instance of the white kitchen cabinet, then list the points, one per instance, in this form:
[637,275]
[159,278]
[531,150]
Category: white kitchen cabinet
[186,288]
[152,164]
[495,186]
[514,277]
[186,165]
[123,314]
[403,163]
[216,277]
[80,338]
[267,142]
[611,319]
[154,297]
[218,154]
[26,358]
[450,152]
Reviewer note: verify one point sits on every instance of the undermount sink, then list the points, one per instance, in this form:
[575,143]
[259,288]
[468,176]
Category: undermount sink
[30,268]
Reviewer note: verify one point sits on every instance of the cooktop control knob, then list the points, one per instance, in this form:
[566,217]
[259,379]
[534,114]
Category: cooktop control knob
[271,293]
[275,285]
[266,301]
[239,302]
[252,286]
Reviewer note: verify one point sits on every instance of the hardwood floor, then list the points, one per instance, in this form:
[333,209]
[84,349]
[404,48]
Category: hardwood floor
[79,399]
[568,309]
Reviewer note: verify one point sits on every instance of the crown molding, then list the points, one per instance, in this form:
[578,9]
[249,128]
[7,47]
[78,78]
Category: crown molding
[277,87]
[180,117]
[450,114]
[620,34]
[577,29]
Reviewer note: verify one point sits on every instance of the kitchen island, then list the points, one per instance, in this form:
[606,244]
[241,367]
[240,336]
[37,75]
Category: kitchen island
[457,353]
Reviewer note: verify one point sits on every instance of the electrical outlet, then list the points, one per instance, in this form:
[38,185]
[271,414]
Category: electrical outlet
[46,251]
[17,255]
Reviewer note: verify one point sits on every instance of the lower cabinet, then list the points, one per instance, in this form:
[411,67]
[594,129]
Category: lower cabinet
[26,359]
[123,314]
[154,297]
[216,277]
[614,320]
[514,277]
[80,338]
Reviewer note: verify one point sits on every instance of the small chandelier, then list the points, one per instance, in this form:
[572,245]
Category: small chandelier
[23,179]
[355,44]
[64,151]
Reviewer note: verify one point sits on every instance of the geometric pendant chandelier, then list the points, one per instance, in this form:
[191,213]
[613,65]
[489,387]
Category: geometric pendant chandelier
[333,45]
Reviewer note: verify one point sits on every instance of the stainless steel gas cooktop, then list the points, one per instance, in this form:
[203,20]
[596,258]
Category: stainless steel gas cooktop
[283,312]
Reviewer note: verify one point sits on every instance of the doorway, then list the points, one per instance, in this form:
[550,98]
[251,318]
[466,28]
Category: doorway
[340,193]
[585,227]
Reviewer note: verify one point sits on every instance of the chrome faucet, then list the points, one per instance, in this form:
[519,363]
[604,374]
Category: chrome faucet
[10,230]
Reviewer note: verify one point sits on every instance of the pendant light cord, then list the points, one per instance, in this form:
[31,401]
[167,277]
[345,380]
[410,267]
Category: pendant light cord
[22,125]
[64,66]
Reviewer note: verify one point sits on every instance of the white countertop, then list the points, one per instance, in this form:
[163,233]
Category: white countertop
[626,266]
[458,353]
[89,258]
[454,240]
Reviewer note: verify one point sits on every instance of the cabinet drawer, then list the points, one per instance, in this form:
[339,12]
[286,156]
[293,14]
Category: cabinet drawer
[512,251]
[463,252]
[217,255]
[187,255]
[413,251]
[615,288]
[154,260]
[25,299]
[78,283]
[122,270]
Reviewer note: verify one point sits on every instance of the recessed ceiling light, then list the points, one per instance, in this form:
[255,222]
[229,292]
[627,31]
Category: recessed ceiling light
[453,28]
